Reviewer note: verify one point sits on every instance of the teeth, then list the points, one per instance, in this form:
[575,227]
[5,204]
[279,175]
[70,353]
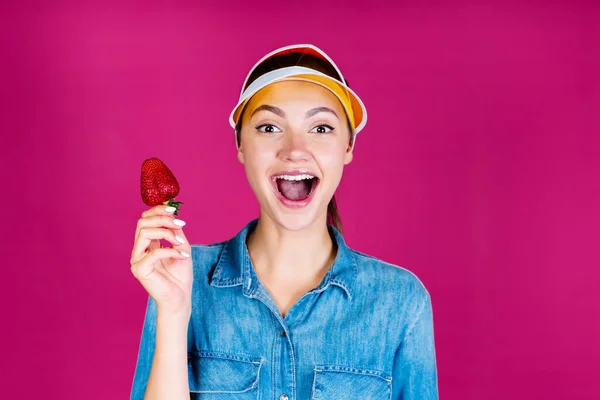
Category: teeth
[294,177]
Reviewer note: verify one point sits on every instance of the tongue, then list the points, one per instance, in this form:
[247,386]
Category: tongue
[294,190]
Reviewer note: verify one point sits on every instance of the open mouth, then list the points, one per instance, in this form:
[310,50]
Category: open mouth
[295,189]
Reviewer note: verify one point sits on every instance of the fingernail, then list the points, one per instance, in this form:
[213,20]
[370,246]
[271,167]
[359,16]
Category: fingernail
[169,209]
[178,222]
[183,253]
[179,239]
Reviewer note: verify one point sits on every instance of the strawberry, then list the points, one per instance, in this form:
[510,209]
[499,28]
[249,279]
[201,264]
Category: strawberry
[159,185]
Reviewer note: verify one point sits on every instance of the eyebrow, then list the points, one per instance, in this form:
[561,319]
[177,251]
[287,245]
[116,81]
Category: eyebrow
[278,111]
[273,109]
[317,110]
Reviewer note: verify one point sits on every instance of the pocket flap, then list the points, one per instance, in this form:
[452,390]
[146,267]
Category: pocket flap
[346,383]
[215,372]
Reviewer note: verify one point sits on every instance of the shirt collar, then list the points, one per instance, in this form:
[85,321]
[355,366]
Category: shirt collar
[234,267]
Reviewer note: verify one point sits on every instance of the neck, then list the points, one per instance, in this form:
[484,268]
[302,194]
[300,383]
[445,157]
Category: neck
[288,256]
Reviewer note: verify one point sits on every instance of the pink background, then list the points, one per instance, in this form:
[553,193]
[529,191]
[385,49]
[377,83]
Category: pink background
[478,170]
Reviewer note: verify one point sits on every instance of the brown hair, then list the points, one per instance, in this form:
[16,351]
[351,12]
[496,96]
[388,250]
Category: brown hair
[276,62]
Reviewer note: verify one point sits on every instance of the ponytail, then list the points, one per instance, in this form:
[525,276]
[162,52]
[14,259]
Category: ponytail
[333,215]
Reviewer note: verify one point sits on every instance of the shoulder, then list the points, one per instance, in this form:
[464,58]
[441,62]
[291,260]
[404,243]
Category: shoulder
[389,280]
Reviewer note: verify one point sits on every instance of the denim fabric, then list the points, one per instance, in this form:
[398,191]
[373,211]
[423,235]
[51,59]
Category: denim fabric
[365,332]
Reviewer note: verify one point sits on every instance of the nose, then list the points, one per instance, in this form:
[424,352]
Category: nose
[294,147]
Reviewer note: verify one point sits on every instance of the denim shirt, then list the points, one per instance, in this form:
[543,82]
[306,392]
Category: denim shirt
[365,332]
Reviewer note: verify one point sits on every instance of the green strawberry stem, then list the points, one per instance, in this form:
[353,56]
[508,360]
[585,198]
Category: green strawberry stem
[175,204]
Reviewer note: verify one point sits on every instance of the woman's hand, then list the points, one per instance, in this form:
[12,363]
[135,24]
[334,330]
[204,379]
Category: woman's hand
[166,273]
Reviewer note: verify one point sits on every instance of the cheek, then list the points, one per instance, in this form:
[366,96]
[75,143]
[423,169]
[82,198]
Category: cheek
[331,161]
[257,162]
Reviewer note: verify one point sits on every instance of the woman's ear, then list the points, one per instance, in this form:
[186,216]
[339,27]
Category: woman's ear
[238,142]
[240,154]
[348,158]
[349,152]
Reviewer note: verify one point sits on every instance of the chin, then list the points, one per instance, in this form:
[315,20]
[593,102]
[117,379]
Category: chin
[295,221]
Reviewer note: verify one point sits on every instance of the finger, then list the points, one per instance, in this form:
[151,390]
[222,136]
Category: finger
[157,221]
[179,232]
[144,267]
[186,245]
[154,211]
[160,209]
[145,238]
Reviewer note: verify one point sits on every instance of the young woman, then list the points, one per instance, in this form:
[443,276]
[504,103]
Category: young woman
[285,310]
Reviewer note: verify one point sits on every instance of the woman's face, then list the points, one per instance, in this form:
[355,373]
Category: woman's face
[293,130]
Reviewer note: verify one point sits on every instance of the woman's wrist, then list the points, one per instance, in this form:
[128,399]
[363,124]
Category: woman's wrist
[174,318]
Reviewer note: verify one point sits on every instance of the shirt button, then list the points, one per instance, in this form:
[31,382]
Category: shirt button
[283,397]
[284,335]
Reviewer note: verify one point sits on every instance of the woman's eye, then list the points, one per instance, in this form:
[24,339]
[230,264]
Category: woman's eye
[268,128]
[323,129]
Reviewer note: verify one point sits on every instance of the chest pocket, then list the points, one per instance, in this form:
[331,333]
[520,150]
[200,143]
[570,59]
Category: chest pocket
[345,383]
[219,376]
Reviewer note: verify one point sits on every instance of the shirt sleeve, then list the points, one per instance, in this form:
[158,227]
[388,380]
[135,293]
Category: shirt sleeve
[414,374]
[145,353]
